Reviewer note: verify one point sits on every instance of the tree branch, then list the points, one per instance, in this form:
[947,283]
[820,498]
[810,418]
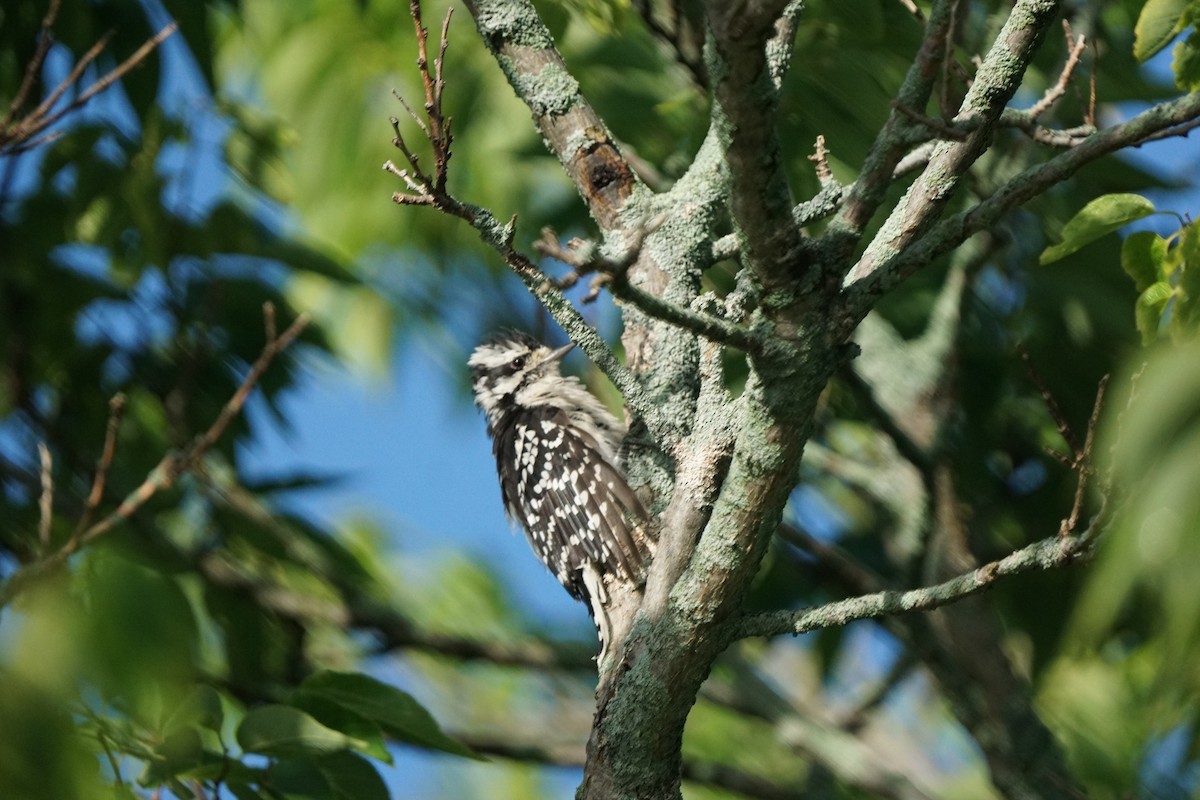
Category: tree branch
[1171,118]
[585,258]
[430,190]
[997,80]
[1049,553]
[719,776]
[746,102]
[20,135]
[862,199]
[572,129]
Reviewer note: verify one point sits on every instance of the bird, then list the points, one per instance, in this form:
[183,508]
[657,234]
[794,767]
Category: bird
[557,452]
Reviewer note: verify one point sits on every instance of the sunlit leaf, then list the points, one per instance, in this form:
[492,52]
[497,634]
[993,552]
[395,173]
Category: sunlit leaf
[1186,311]
[1098,218]
[1149,309]
[396,711]
[278,730]
[1142,255]
[1186,63]
[1157,25]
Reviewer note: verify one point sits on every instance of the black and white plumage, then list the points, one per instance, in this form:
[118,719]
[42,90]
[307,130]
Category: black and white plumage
[556,449]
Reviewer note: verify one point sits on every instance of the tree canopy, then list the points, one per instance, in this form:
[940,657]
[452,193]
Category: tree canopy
[900,300]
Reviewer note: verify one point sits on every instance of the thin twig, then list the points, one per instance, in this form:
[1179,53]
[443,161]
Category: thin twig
[913,9]
[426,190]
[585,258]
[946,130]
[173,465]
[1083,464]
[125,66]
[1060,419]
[1090,116]
[20,134]
[163,475]
[820,159]
[232,408]
[1075,48]
[34,67]
[46,501]
[74,75]
[116,410]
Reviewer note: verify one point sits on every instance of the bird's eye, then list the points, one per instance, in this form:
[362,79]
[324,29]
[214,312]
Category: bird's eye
[518,362]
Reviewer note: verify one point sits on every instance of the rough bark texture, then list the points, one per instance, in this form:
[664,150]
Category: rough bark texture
[718,471]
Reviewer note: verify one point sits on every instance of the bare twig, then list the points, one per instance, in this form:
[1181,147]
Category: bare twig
[585,258]
[944,129]
[820,159]
[74,75]
[913,9]
[425,189]
[34,67]
[273,347]
[1056,413]
[163,475]
[116,410]
[1090,117]
[1083,464]
[46,501]
[1075,48]
[21,134]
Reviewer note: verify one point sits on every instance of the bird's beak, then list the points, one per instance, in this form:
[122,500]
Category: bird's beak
[555,355]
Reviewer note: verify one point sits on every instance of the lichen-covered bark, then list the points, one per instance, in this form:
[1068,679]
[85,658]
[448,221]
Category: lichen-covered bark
[717,470]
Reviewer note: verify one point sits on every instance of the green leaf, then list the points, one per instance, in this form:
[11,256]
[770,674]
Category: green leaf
[1149,310]
[338,776]
[352,777]
[201,707]
[1157,25]
[395,711]
[1142,256]
[348,722]
[1098,218]
[277,730]
[1186,63]
[1186,311]
[182,754]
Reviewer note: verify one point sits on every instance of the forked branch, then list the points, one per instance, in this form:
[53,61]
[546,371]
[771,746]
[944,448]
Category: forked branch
[22,132]
[586,258]
[423,189]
